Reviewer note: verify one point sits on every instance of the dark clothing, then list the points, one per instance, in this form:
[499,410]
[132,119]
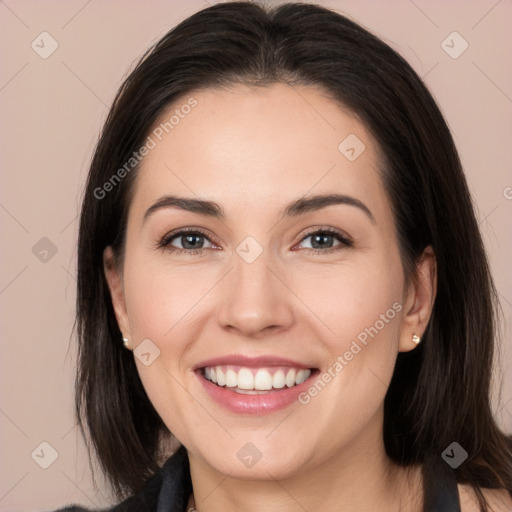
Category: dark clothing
[170,488]
[441,493]
[167,491]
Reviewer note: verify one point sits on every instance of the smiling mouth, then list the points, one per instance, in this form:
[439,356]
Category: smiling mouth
[255,381]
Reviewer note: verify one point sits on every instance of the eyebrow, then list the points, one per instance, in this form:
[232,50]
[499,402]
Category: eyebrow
[293,209]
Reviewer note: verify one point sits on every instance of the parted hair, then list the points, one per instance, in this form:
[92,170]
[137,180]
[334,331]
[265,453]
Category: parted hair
[440,392]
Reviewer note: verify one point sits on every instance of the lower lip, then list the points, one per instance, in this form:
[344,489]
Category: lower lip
[254,404]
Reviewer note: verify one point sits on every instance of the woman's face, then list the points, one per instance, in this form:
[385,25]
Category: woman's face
[263,296]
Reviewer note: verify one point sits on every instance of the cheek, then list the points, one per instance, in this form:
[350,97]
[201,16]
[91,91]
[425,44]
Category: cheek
[361,309]
[161,299]
[160,305]
[357,302]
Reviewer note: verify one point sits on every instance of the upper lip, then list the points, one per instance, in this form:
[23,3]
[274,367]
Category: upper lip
[251,362]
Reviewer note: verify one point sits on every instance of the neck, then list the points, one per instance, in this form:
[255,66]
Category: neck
[358,477]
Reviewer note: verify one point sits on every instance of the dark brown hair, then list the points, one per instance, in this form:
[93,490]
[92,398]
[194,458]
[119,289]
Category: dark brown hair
[440,391]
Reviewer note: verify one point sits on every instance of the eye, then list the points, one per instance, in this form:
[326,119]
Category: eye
[190,239]
[322,241]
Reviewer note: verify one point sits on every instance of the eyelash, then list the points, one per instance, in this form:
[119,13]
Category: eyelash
[345,240]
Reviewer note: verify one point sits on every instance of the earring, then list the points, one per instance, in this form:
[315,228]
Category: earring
[126,343]
[416,339]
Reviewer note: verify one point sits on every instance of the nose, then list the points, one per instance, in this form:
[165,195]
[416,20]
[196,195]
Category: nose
[256,298]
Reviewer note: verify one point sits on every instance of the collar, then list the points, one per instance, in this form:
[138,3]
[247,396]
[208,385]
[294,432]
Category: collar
[176,483]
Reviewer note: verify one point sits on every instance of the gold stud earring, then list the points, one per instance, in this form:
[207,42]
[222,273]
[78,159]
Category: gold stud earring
[416,339]
[126,343]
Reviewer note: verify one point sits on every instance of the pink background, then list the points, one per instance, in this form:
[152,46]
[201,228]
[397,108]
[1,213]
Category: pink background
[51,112]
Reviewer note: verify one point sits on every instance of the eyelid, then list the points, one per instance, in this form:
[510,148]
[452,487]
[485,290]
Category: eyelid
[345,240]
[165,240]
[326,229]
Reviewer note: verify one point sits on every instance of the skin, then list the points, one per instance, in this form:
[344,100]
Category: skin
[254,150]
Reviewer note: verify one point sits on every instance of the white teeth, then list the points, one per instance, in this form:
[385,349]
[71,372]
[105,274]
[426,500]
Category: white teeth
[290,378]
[263,380]
[244,380]
[278,381]
[248,391]
[302,375]
[231,379]
[221,378]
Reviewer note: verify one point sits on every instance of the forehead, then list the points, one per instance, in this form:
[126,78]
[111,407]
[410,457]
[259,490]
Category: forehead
[247,145]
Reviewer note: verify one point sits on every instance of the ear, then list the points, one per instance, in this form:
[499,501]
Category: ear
[114,279]
[420,296]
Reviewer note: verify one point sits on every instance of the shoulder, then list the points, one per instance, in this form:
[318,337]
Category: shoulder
[499,500]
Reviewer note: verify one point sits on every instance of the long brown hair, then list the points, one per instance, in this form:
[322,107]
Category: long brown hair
[440,391]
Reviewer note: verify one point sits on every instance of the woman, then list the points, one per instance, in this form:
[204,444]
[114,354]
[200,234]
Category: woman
[281,279]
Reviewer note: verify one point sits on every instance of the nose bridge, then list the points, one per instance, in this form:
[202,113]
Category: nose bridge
[254,297]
